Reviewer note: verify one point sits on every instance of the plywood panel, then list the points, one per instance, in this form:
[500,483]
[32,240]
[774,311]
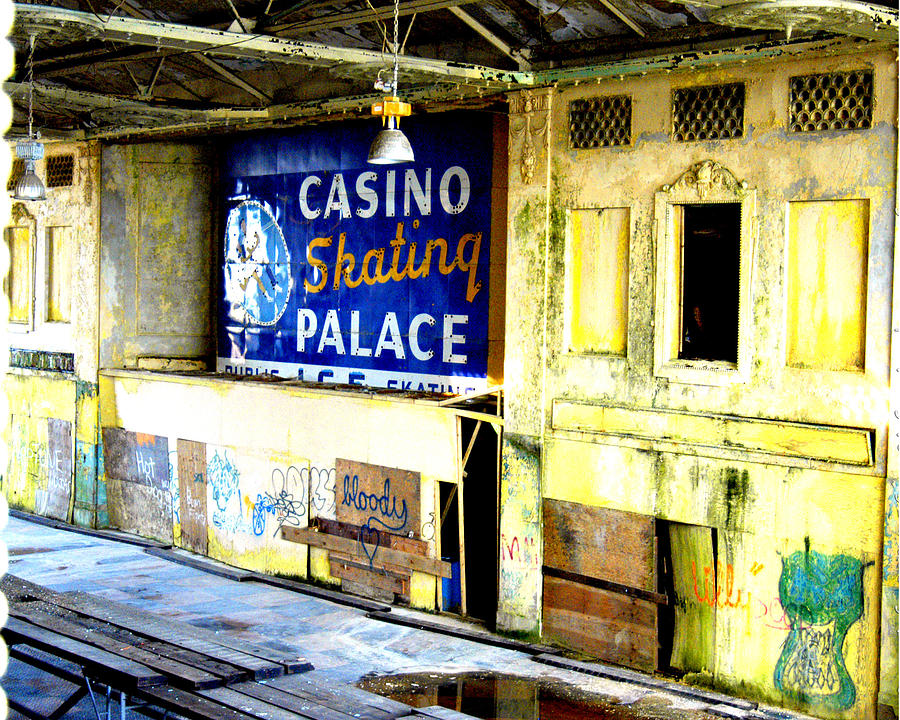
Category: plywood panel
[828,251]
[192,494]
[136,457]
[140,509]
[598,279]
[600,543]
[693,571]
[54,501]
[385,499]
[613,627]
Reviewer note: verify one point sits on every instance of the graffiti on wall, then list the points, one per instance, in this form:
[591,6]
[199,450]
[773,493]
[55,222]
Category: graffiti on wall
[285,501]
[322,490]
[223,480]
[822,598]
[41,465]
[137,457]
[520,549]
[890,571]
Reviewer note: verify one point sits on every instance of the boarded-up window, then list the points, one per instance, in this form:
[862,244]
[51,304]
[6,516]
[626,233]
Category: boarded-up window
[59,274]
[598,280]
[21,274]
[828,243]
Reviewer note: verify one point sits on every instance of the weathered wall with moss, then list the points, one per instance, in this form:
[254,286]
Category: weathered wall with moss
[156,284]
[52,391]
[794,523]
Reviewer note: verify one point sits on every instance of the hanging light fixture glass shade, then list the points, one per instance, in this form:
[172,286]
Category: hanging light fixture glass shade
[390,146]
[29,186]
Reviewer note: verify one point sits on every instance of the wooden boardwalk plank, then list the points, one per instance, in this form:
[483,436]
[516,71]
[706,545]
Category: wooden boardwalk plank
[177,672]
[252,651]
[339,695]
[152,626]
[189,705]
[111,668]
[303,706]
[198,563]
[17,588]
[248,704]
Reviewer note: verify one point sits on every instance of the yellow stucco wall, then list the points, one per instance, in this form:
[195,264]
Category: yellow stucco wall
[263,440]
[693,455]
[51,330]
[33,399]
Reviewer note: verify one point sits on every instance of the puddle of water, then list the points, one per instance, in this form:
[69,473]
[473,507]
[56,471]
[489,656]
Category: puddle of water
[494,696]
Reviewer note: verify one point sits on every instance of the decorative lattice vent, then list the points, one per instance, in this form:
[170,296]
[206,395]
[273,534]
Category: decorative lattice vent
[834,101]
[15,172]
[60,170]
[600,122]
[41,360]
[711,112]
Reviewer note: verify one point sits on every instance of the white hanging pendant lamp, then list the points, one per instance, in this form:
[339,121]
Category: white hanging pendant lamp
[29,186]
[391,146]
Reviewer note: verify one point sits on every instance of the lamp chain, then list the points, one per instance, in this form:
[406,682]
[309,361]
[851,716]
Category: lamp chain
[396,42]
[30,65]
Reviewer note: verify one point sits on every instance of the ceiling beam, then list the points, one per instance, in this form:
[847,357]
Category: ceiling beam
[233,78]
[385,12]
[237,17]
[491,37]
[220,42]
[612,8]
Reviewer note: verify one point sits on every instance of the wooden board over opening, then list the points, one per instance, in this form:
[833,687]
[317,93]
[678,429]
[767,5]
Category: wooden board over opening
[385,499]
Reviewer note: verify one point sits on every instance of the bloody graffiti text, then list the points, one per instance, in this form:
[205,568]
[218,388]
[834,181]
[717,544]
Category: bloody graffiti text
[384,504]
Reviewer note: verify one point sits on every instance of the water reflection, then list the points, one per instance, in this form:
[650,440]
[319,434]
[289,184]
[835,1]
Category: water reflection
[495,696]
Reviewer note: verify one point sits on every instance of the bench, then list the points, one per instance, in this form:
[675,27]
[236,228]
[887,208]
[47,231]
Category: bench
[137,660]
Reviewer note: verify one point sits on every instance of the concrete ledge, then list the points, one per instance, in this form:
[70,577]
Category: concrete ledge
[200,563]
[322,593]
[462,633]
[648,681]
[116,535]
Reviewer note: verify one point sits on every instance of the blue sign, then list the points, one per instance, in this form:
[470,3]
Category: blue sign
[342,272]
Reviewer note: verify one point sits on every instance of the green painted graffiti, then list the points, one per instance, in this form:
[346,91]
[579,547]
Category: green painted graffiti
[822,598]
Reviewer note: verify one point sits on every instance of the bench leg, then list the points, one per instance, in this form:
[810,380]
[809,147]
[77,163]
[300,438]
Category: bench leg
[87,681]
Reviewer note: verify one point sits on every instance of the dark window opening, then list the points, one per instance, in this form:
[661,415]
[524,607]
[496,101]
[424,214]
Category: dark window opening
[710,282]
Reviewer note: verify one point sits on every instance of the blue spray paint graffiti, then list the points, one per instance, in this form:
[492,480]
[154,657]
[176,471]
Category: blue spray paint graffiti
[384,504]
[224,480]
[822,598]
[174,490]
[281,502]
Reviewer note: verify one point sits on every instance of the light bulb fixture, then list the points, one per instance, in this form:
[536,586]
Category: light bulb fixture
[391,146]
[29,186]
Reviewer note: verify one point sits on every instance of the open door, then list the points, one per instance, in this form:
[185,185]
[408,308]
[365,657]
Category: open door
[470,520]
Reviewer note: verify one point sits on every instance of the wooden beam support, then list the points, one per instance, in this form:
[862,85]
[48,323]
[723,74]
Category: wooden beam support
[360,553]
